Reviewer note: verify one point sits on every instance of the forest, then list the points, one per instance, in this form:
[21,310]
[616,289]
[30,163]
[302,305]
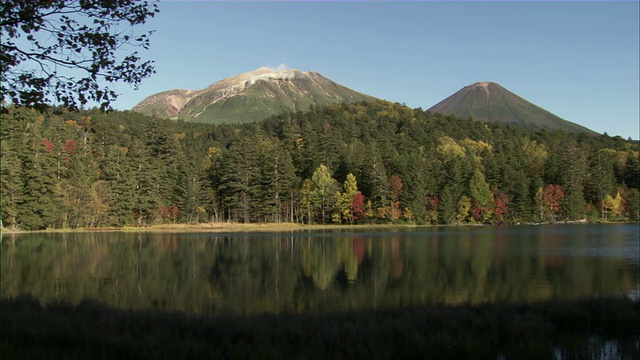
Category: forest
[359,163]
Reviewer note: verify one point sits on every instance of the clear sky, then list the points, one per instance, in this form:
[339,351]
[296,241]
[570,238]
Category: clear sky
[579,60]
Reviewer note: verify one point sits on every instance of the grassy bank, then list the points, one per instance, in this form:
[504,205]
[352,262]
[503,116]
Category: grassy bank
[578,329]
[221,227]
[224,227]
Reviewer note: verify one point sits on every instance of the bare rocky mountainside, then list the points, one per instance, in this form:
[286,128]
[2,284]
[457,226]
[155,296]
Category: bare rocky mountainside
[490,102]
[249,97]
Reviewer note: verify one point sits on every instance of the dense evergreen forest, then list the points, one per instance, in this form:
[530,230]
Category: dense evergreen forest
[376,162]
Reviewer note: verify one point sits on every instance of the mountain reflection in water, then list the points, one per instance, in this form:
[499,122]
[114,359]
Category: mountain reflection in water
[323,271]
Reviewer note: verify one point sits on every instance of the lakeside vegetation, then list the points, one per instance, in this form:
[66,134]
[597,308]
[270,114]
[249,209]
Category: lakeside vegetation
[231,227]
[215,227]
[362,163]
[581,329]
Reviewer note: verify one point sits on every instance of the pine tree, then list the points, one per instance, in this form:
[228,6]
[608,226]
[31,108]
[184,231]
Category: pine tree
[12,182]
[421,182]
[575,165]
[277,180]
[146,198]
[632,171]
[453,188]
[601,178]
[165,155]
[118,171]
[237,180]
[195,190]
[515,181]
[37,208]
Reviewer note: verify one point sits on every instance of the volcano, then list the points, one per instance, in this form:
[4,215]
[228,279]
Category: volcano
[490,102]
[250,97]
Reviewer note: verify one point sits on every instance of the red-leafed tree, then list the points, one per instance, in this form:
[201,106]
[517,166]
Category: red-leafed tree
[358,208]
[549,201]
[433,204]
[500,204]
[174,212]
[70,147]
[48,145]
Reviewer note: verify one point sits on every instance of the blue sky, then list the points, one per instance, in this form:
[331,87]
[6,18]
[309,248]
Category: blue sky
[579,60]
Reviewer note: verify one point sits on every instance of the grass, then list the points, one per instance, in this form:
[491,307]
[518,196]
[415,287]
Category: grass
[232,227]
[219,227]
[577,329]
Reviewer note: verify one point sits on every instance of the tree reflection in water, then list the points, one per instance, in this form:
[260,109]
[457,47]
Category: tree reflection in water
[315,272]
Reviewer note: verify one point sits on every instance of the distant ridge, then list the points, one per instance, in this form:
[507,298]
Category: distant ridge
[249,97]
[490,102]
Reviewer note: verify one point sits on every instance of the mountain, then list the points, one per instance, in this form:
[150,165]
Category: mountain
[490,102]
[249,97]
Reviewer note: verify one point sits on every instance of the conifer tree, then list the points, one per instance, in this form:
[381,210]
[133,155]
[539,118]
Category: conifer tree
[13,146]
[601,178]
[277,180]
[632,171]
[37,208]
[119,173]
[11,184]
[146,198]
[421,182]
[238,180]
[575,165]
[195,192]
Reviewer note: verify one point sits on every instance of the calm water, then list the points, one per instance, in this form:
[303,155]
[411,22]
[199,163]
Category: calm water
[324,271]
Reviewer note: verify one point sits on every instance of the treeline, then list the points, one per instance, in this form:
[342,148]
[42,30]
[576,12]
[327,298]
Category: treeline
[358,163]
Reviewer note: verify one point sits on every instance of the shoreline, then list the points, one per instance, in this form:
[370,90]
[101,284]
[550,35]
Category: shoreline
[218,227]
[224,227]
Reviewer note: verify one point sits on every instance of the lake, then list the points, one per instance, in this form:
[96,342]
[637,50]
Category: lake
[323,271]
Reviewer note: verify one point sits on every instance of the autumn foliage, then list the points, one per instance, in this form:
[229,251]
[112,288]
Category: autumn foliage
[550,201]
[342,164]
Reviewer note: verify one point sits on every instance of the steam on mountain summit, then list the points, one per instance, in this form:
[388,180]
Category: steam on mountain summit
[249,97]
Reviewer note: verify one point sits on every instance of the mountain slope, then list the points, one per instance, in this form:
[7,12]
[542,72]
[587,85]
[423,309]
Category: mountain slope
[490,102]
[249,97]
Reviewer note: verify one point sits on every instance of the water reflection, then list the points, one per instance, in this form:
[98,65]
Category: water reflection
[322,271]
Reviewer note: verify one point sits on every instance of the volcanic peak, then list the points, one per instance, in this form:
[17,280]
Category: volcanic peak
[490,102]
[249,96]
